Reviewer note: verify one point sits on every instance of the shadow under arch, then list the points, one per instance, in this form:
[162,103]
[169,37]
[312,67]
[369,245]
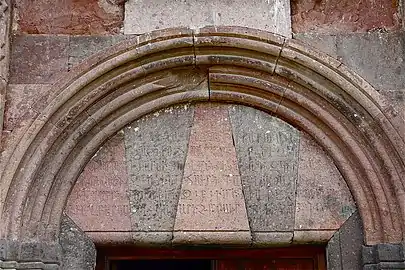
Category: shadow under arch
[281,76]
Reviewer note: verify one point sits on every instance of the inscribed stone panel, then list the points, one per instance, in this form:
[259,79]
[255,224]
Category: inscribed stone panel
[324,201]
[267,150]
[211,195]
[156,148]
[99,200]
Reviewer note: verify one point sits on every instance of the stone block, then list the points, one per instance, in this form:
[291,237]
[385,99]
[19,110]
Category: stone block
[324,201]
[144,16]
[323,42]
[312,237]
[20,99]
[351,241]
[343,16]
[81,47]
[269,239]
[211,196]
[38,59]
[378,57]
[79,252]
[213,238]
[333,256]
[394,109]
[156,148]
[70,17]
[99,201]
[267,150]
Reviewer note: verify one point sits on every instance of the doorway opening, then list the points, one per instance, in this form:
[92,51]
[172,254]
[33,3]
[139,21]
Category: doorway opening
[288,258]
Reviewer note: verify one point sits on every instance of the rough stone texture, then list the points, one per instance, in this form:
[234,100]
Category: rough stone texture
[71,17]
[268,239]
[333,256]
[211,196]
[377,57]
[99,200]
[79,252]
[312,236]
[81,47]
[344,15]
[324,201]
[394,107]
[270,15]
[323,42]
[351,240]
[344,248]
[156,148]
[384,256]
[38,59]
[267,150]
[20,99]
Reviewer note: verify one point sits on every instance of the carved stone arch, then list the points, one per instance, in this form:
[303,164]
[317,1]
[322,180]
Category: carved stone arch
[281,76]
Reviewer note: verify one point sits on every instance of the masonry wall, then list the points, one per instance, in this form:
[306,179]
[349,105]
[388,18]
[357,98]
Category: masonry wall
[48,39]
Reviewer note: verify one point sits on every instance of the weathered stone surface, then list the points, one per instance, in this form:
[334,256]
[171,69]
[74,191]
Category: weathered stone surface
[267,150]
[19,101]
[266,239]
[144,16]
[324,201]
[156,148]
[71,17]
[81,47]
[312,237]
[351,241]
[343,15]
[323,42]
[211,196]
[377,57]
[213,238]
[394,108]
[99,200]
[38,59]
[333,256]
[79,252]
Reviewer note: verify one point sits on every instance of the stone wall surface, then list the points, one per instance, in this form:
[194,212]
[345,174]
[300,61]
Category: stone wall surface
[69,17]
[331,16]
[379,57]
[270,15]
[50,38]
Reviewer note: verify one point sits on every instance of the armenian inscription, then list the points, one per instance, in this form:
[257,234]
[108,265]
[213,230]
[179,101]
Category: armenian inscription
[211,197]
[267,150]
[156,148]
[99,200]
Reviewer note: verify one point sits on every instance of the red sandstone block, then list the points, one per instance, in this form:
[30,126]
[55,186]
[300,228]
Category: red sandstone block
[38,59]
[329,16]
[72,17]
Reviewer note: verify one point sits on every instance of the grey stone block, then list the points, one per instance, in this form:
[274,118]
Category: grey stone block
[269,187]
[144,15]
[322,42]
[156,148]
[333,256]
[351,242]
[82,47]
[390,252]
[79,252]
[377,57]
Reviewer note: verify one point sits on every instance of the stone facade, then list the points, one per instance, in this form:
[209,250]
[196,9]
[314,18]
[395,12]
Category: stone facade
[95,148]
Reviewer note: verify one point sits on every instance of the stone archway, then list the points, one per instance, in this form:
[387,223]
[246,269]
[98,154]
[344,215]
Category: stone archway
[280,76]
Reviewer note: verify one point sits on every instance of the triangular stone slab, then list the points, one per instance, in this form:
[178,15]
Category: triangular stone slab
[211,207]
